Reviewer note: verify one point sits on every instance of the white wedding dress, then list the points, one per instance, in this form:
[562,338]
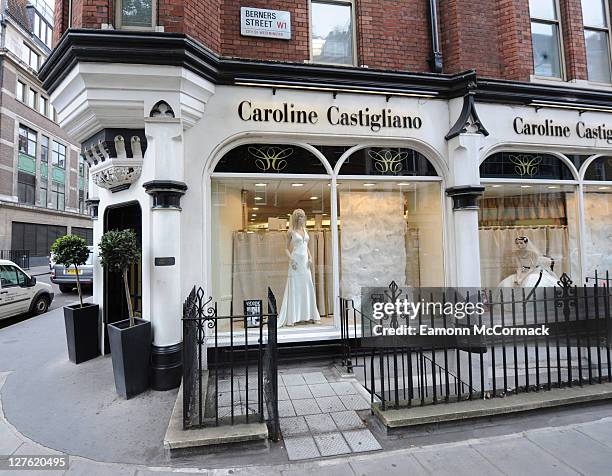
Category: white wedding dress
[299,303]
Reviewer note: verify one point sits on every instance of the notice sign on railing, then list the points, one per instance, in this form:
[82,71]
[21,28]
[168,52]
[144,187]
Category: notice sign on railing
[265,23]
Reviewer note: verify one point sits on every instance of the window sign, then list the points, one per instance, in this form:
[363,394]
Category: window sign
[265,23]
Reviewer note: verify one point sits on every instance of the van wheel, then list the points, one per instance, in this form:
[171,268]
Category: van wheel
[41,305]
[66,288]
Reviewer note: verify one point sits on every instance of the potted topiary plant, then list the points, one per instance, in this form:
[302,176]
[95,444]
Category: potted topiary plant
[81,319]
[129,339]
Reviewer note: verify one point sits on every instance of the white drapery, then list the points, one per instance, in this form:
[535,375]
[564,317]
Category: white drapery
[497,245]
[260,261]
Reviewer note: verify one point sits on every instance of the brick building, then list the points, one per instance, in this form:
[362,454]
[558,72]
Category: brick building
[420,138]
[43,183]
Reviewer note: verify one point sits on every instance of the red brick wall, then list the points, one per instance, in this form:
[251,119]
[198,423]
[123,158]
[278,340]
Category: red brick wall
[573,39]
[491,36]
[469,35]
[393,34]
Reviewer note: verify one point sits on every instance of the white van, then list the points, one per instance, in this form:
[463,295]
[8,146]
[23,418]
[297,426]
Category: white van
[20,293]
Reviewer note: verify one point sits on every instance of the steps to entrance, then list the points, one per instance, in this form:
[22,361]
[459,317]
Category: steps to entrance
[447,412]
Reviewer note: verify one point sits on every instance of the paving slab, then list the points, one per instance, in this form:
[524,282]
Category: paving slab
[343,388]
[331,444]
[457,461]
[398,465]
[519,456]
[355,402]
[342,469]
[301,447]
[292,426]
[314,377]
[330,404]
[293,379]
[285,408]
[9,442]
[81,467]
[598,430]
[282,393]
[299,391]
[347,420]
[575,449]
[321,423]
[361,440]
[306,406]
[322,390]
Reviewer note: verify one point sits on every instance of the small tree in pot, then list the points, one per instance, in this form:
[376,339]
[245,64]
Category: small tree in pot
[81,319]
[130,339]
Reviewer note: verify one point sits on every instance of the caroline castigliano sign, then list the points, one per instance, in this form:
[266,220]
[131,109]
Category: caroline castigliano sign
[265,23]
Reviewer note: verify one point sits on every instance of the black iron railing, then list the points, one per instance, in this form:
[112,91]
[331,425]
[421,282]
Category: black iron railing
[229,366]
[576,351]
[20,257]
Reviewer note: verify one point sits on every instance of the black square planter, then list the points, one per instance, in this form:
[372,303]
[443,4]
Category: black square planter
[131,355]
[82,332]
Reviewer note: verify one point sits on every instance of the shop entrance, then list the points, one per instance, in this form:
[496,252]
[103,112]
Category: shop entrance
[127,216]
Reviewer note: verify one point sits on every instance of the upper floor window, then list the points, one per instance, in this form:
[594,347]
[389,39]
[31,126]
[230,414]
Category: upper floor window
[42,105]
[21,91]
[27,140]
[59,154]
[32,98]
[43,30]
[545,38]
[137,14]
[332,32]
[597,39]
[44,149]
[31,57]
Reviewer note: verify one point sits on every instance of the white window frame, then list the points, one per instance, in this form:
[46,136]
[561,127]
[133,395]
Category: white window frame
[557,23]
[605,30]
[349,3]
[23,97]
[31,52]
[118,24]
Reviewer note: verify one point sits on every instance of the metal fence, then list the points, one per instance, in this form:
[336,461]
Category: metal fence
[20,257]
[576,352]
[229,377]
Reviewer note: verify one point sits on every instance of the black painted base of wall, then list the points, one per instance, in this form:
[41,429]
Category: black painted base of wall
[166,366]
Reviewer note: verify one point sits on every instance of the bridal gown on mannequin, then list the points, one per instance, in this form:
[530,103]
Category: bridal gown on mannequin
[299,303]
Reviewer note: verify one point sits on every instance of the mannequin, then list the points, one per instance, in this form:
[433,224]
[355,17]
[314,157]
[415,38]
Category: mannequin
[299,303]
[530,270]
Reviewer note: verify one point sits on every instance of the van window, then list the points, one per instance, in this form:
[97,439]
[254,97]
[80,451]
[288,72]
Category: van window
[8,276]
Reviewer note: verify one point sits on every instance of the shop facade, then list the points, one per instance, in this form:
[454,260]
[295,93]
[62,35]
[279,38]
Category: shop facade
[425,180]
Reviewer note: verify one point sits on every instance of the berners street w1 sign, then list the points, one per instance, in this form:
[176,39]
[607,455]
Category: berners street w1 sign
[266,23]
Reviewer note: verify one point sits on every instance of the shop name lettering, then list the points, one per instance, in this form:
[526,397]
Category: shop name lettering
[335,116]
[549,128]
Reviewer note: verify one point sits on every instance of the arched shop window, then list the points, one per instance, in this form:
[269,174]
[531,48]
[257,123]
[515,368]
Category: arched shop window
[387,161]
[390,221]
[525,197]
[254,190]
[598,216]
[270,159]
[599,169]
[521,165]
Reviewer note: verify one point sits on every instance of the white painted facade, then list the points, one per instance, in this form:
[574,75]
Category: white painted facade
[207,125]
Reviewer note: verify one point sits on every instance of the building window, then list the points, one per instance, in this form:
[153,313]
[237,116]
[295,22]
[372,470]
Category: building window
[42,105]
[43,194]
[51,113]
[27,141]
[135,13]
[545,38]
[32,98]
[21,91]
[42,30]
[26,188]
[31,57]
[332,32]
[59,155]
[44,149]
[596,39]
[58,195]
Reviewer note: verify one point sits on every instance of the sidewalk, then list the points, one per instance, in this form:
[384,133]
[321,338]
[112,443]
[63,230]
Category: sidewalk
[49,406]
[38,270]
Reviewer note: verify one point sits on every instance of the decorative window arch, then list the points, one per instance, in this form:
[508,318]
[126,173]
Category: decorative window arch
[270,159]
[599,169]
[525,165]
[387,161]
